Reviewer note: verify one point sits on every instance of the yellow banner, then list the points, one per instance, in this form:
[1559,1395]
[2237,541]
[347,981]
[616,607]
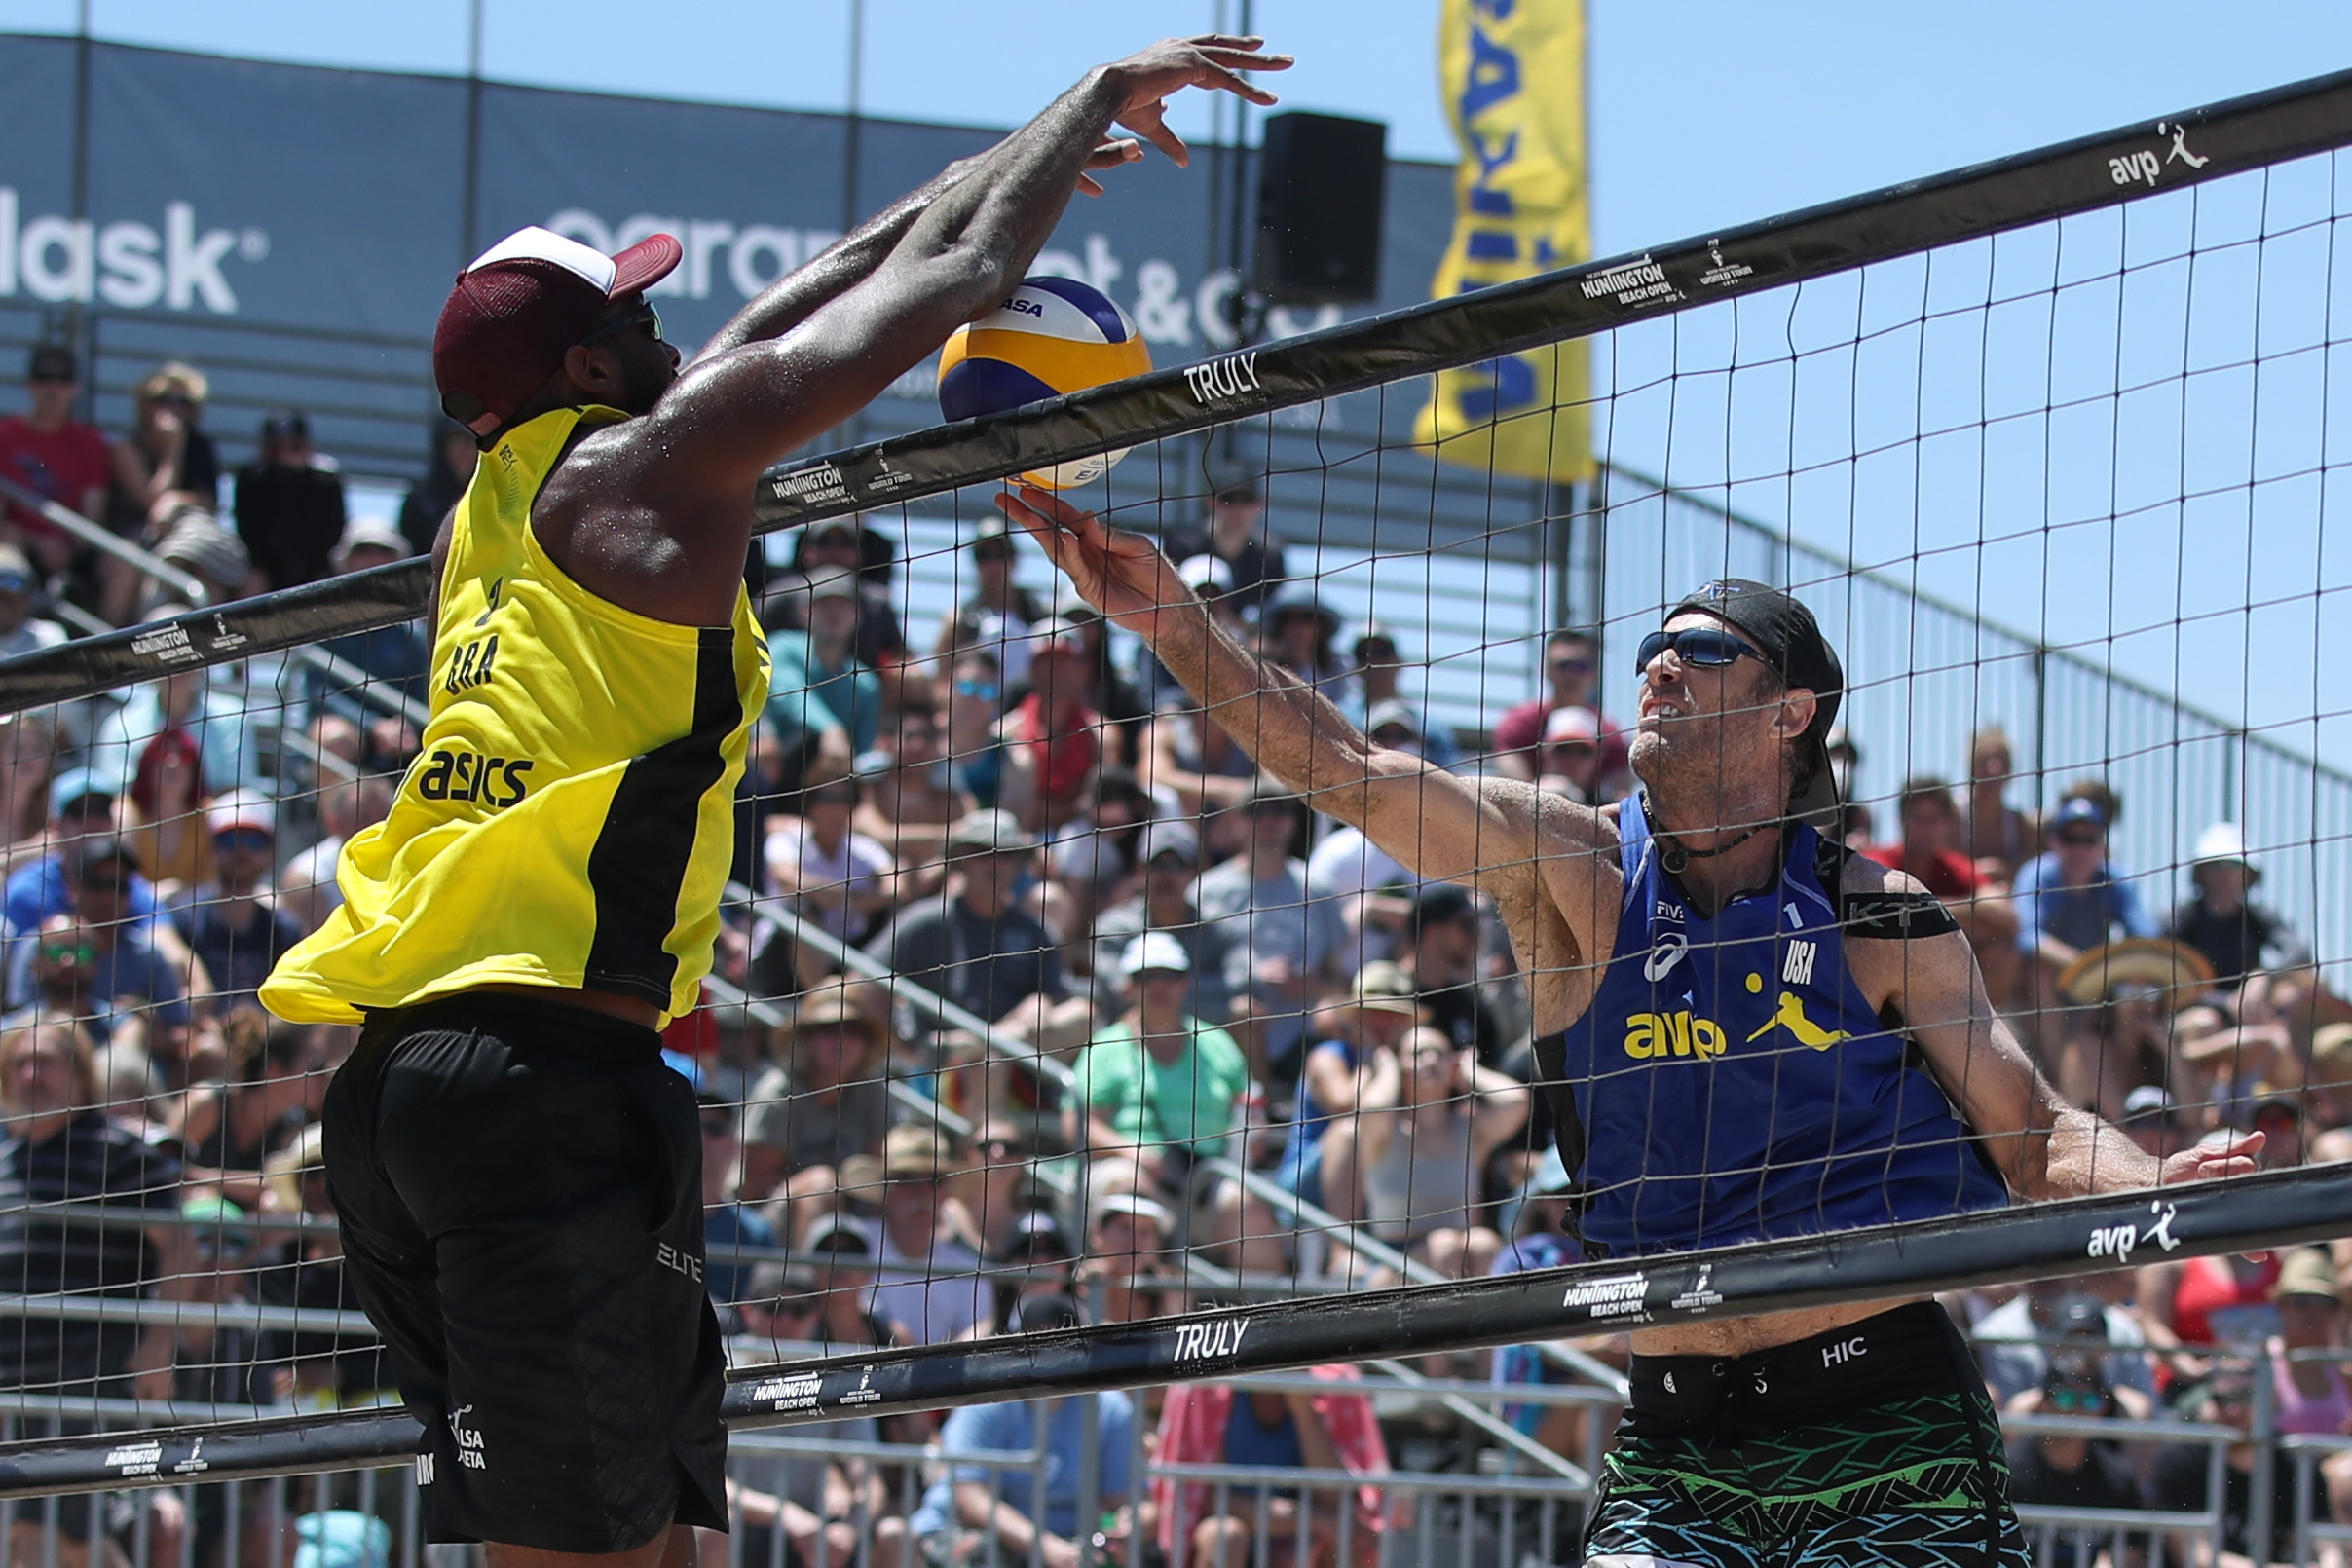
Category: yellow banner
[1512,72]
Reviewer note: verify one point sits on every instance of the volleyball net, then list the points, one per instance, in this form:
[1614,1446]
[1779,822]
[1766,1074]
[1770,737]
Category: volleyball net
[1050,1047]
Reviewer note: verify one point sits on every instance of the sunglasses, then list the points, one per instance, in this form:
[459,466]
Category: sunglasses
[2276,1118]
[56,954]
[1711,648]
[2075,1400]
[14,583]
[49,378]
[2080,838]
[979,688]
[717,1127]
[799,1307]
[1572,666]
[643,316]
[241,839]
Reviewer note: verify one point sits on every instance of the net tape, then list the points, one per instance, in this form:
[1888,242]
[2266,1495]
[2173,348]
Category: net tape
[2054,1239]
[2038,1240]
[2196,146]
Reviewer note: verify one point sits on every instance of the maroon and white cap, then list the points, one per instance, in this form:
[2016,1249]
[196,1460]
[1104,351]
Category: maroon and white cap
[522,303]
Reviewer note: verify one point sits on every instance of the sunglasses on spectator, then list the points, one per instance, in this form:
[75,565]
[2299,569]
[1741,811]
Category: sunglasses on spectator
[14,583]
[979,688]
[717,1127]
[50,377]
[1711,648]
[2276,1119]
[643,316]
[832,797]
[241,839]
[117,885]
[1572,666]
[60,953]
[2080,838]
[2074,1398]
[2232,1399]
[796,1307]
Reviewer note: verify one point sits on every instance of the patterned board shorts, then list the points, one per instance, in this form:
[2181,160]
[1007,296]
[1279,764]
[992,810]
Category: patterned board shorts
[1917,1480]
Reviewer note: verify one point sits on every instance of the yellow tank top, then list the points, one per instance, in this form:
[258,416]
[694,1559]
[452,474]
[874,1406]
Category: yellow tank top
[570,818]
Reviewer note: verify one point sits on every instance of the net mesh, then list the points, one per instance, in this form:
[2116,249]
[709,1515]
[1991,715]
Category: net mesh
[1160,1036]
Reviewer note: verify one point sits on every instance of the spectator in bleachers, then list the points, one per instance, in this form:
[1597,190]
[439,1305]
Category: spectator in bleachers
[1411,1161]
[2070,900]
[51,454]
[1569,762]
[2237,936]
[1440,955]
[1039,1248]
[845,544]
[1301,634]
[1052,744]
[1380,679]
[1156,1089]
[1001,1187]
[726,1220]
[448,470]
[2013,1360]
[1108,692]
[1235,534]
[234,925]
[1372,1020]
[2195,1306]
[201,702]
[972,944]
[996,618]
[81,811]
[1372,888]
[911,801]
[1128,1237]
[2073,1472]
[167,453]
[1999,836]
[191,538]
[1291,938]
[129,975]
[929,1273]
[1930,850]
[2310,1395]
[1093,855]
[1170,854]
[819,685]
[977,1511]
[307,891]
[2180,1479]
[1219,1424]
[28,759]
[975,704]
[1570,665]
[163,814]
[823,1100]
[828,873]
[61,1148]
[392,660]
[2154,1123]
[228,1131]
[289,504]
[22,631]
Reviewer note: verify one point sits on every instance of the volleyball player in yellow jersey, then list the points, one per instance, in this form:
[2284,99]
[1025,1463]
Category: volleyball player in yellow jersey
[516,1171]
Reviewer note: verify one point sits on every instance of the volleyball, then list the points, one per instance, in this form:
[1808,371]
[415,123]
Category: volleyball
[1051,335]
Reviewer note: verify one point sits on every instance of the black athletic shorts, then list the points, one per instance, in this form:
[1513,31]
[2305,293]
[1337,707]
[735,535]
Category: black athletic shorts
[520,1188]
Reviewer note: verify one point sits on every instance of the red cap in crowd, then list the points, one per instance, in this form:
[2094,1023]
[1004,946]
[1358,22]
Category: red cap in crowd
[522,303]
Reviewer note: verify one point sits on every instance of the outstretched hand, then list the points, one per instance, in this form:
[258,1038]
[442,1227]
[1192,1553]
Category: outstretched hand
[1123,575]
[1213,60]
[2210,1162]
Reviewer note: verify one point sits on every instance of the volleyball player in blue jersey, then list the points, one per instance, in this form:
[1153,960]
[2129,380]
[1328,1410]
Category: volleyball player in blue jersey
[1745,1032]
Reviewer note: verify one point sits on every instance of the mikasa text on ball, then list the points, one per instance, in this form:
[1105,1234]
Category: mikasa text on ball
[1051,335]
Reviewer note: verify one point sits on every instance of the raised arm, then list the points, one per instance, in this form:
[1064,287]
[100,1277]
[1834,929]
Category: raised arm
[1489,833]
[655,513]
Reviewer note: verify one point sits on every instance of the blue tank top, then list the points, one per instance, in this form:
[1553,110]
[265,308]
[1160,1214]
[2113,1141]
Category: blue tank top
[1729,1082]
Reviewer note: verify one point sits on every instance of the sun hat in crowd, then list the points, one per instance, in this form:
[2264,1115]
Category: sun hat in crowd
[1155,950]
[1383,987]
[1168,835]
[1136,1205]
[2224,844]
[2307,1271]
[987,832]
[2179,972]
[241,808]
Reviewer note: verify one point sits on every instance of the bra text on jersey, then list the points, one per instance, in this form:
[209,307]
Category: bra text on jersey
[1651,1036]
[472,665]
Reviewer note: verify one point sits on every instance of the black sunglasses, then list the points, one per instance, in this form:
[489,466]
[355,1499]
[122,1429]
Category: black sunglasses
[643,316]
[1711,648]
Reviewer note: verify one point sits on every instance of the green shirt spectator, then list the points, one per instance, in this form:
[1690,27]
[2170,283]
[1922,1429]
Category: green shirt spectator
[1159,1077]
[817,682]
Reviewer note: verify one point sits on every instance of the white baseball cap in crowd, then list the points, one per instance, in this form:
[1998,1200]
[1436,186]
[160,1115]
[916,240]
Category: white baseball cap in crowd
[1155,950]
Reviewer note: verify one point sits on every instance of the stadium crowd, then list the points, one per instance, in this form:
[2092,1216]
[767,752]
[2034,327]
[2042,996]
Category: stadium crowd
[1038,1005]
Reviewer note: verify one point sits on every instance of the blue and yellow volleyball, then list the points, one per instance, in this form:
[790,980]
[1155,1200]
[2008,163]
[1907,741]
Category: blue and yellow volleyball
[1051,335]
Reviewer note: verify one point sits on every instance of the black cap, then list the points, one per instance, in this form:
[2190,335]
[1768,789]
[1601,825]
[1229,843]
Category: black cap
[286,424]
[1237,488]
[1785,632]
[51,361]
[1438,904]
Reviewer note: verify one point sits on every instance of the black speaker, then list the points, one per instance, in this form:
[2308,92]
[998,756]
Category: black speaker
[1320,185]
